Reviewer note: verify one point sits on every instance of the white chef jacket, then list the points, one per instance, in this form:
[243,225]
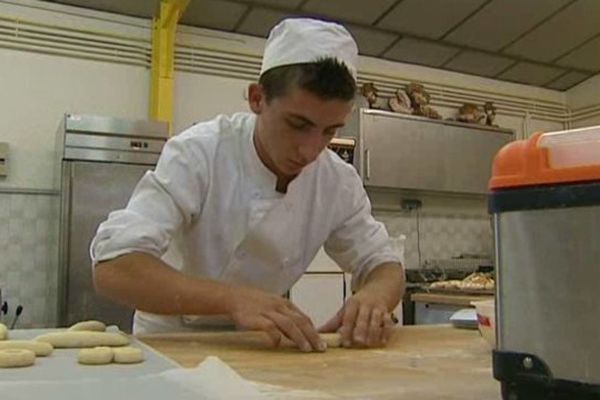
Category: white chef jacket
[210,209]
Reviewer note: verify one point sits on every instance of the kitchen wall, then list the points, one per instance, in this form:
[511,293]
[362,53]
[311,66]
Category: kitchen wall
[201,97]
[37,89]
[42,81]
[28,256]
[584,101]
[445,227]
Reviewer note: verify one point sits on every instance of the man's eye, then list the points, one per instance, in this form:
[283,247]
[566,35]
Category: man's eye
[298,126]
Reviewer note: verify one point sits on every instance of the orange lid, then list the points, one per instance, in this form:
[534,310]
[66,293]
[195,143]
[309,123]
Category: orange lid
[537,161]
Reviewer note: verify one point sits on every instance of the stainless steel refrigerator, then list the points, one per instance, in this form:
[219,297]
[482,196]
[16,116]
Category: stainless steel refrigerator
[100,160]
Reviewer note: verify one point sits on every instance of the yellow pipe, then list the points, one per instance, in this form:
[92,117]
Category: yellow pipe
[163,54]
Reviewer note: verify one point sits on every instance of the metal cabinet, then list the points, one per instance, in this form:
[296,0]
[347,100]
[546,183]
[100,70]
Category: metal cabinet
[91,192]
[407,152]
[100,161]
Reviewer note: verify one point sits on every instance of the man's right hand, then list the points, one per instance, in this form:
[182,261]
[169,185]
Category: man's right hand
[253,309]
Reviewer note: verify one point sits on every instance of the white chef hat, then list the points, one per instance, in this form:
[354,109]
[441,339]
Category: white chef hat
[305,40]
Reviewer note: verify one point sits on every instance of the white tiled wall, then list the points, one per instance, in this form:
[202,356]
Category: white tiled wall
[29,246]
[28,257]
[443,235]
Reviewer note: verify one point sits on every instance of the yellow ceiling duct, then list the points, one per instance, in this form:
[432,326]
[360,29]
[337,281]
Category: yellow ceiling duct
[164,27]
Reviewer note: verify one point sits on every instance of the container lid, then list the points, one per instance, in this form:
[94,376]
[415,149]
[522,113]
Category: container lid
[569,156]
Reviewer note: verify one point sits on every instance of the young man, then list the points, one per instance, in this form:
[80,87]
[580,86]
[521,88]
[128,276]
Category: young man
[237,208]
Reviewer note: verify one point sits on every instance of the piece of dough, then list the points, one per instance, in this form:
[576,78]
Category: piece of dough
[95,356]
[451,284]
[92,325]
[3,332]
[78,339]
[14,358]
[40,349]
[331,339]
[128,355]
[478,281]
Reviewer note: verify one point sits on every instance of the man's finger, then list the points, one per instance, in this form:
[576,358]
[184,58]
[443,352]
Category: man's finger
[270,328]
[309,331]
[361,327]
[375,328]
[306,325]
[348,320]
[388,325]
[333,324]
[289,329]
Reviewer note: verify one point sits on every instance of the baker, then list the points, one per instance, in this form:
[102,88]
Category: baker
[238,206]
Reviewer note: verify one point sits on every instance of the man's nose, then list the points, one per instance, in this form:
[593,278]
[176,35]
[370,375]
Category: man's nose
[310,147]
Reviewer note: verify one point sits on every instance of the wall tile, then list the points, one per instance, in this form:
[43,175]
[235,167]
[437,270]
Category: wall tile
[28,261]
[29,247]
[441,235]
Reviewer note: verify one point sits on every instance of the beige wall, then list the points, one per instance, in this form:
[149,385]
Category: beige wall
[201,97]
[585,94]
[39,88]
[584,100]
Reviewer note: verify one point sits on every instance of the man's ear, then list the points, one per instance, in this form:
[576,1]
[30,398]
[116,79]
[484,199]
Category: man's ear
[256,97]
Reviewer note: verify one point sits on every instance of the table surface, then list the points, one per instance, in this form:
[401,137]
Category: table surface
[463,300]
[420,362]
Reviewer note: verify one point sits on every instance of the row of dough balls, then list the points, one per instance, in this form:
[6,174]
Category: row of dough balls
[86,334]
[106,355]
[24,354]
[87,326]
[102,354]
[16,358]
[20,353]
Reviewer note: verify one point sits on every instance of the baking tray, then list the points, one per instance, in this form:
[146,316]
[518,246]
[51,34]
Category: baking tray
[62,364]
[481,292]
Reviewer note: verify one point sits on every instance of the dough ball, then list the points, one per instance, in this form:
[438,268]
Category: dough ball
[15,358]
[40,349]
[79,339]
[95,326]
[95,356]
[331,339]
[128,355]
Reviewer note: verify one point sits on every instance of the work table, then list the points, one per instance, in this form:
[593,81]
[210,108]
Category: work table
[420,362]
[419,293]
[454,299]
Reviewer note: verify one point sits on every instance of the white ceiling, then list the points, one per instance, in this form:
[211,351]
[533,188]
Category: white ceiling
[547,43]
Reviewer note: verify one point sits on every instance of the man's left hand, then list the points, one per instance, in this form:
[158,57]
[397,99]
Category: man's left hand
[363,321]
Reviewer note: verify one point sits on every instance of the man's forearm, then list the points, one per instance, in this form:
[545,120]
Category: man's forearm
[387,280]
[146,283]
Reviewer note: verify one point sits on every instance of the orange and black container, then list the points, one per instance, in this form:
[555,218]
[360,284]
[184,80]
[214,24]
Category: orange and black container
[545,199]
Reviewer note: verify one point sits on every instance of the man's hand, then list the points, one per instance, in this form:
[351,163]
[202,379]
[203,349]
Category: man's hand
[253,309]
[365,319]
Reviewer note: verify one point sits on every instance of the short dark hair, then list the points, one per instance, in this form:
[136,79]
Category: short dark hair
[327,78]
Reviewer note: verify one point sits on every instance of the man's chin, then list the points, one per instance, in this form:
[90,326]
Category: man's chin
[292,169]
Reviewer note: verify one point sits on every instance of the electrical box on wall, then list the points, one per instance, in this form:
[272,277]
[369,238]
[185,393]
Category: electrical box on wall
[3,159]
